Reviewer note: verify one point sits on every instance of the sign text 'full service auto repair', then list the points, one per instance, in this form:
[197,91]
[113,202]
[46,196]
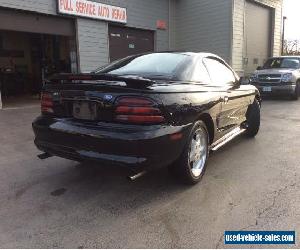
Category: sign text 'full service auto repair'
[94,10]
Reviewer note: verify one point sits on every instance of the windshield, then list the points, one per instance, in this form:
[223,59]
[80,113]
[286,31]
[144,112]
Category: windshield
[284,63]
[162,65]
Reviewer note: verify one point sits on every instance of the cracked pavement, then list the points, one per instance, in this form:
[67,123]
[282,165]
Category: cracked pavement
[250,184]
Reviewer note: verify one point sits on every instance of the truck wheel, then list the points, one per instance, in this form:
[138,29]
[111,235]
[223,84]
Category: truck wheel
[295,96]
[253,119]
[191,165]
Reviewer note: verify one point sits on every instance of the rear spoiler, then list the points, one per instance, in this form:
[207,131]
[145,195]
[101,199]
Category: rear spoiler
[130,81]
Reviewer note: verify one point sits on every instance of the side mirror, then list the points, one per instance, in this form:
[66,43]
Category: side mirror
[259,68]
[244,81]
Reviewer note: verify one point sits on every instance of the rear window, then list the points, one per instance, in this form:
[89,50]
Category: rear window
[157,64]
[284,63]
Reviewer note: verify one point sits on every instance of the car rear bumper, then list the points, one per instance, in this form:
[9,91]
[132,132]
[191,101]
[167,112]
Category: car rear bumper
[286,89]
[114,144]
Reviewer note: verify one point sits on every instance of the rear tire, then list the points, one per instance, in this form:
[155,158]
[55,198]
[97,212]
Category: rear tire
[191,165]
[253,119]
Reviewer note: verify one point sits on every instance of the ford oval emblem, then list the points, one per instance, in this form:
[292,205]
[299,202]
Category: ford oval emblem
[108,97]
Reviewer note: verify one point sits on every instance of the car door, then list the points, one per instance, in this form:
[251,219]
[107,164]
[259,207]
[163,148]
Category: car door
[234,98]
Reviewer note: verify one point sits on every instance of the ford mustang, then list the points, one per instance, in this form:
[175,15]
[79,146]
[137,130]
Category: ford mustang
[168,109]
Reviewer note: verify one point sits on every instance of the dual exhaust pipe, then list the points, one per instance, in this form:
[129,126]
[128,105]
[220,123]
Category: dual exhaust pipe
[134,177]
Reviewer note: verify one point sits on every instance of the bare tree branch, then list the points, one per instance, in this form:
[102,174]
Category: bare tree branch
[291,47]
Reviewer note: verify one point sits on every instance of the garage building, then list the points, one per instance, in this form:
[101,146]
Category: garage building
[42,37]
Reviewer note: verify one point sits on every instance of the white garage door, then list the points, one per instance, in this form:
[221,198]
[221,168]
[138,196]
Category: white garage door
[258,36]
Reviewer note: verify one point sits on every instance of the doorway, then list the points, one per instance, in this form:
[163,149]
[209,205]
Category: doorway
[124,41]
[26,60]
[258,36]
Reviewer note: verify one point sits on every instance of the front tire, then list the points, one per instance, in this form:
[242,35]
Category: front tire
[191,165]
[295,96]
[253,119]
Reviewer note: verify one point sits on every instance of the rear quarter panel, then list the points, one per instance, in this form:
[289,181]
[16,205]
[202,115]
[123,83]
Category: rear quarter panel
[184,108]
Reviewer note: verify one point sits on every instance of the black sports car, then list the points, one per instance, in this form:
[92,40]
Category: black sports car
[148,111]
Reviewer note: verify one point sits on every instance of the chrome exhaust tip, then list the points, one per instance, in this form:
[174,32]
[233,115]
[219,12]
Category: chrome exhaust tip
[44,156]
[136,176]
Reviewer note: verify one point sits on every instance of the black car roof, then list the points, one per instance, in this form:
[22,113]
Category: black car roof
[190,53]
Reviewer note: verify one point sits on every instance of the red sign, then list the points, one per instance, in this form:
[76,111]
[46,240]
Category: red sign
[161,24]
[86,8]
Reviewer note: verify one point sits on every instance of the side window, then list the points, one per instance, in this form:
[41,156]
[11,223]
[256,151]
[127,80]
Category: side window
[200,73]
[219,73]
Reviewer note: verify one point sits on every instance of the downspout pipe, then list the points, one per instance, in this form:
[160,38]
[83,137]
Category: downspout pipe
[169,31]
[0,100]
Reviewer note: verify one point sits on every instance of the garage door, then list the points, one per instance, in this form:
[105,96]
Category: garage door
[125,41]
[257,36]
[35,23]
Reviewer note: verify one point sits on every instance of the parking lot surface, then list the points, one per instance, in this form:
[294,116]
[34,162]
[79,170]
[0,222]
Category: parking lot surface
[250,184]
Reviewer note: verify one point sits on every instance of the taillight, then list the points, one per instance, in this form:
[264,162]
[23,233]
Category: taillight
[47,103]
[137,110]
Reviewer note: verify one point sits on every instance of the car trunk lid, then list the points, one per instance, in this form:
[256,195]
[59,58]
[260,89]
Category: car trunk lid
[92,97]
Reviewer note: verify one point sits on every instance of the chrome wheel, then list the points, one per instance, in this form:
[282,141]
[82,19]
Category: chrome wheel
[198,152]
